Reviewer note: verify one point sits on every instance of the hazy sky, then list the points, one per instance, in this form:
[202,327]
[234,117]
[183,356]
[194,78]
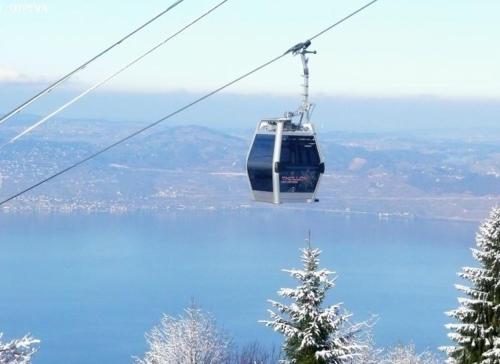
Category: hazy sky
[395,48]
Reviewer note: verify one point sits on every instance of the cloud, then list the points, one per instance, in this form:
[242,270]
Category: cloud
[10,75]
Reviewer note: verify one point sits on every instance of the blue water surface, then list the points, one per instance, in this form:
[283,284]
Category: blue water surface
[90,286]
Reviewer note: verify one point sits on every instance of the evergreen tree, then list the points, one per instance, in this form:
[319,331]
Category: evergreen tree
[477,330]
[313,335]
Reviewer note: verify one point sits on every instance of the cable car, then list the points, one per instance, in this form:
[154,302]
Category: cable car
[284,163]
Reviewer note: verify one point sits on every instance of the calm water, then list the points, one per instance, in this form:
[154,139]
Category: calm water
[90,286]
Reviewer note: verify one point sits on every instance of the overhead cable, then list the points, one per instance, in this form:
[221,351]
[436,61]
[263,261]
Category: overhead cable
[85,64]
[187,106]
[109,78]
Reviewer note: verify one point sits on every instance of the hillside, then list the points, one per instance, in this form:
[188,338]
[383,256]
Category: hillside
[183,167]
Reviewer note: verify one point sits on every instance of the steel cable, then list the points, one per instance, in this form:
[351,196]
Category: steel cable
[187,106]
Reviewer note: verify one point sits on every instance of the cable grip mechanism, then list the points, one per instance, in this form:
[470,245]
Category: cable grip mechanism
[306,107]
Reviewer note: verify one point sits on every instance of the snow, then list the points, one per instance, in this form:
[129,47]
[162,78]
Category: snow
[305,324]
[18,351]
[189,339]
[476,331]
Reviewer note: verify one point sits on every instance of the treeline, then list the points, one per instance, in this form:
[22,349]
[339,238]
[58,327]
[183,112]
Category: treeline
[194,338]
[317,334]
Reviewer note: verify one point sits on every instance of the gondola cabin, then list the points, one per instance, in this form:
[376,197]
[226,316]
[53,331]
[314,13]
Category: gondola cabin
[284,163]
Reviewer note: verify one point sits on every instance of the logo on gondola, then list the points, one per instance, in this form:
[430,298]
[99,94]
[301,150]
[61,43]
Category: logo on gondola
[294,179]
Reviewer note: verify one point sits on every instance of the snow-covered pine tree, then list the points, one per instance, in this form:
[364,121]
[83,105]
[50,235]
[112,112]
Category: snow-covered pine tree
[477,330]
[18,351]
[313,335]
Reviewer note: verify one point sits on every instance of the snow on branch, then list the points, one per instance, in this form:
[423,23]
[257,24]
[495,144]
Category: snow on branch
[192,338]
[18,351]
[476,331]
[313,333]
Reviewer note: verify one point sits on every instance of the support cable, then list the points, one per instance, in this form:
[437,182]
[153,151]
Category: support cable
[187,106]
[85,64]
[109,78]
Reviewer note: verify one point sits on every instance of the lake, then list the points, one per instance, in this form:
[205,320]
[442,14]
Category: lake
[90,286]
